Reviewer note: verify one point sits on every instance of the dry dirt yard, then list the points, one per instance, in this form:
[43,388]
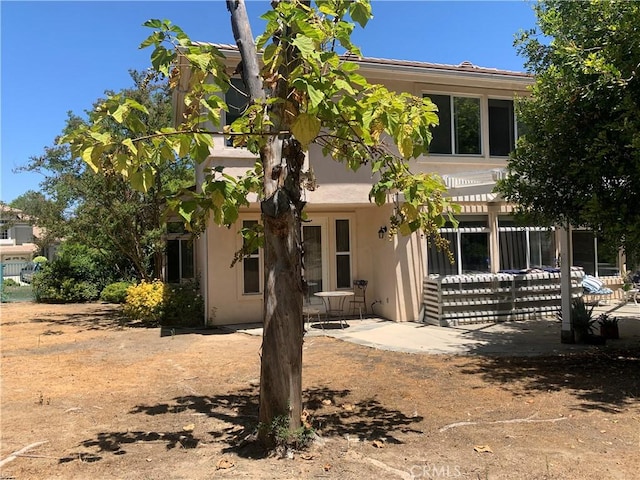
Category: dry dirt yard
[85,397]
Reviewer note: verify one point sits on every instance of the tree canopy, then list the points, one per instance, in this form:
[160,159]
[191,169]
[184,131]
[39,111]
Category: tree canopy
[578,161]
[104,211]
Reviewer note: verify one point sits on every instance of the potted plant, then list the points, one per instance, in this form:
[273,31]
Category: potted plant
[583,323]
[608,326]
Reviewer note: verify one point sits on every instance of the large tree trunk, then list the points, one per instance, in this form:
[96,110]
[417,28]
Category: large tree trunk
[281,363]
[281,367]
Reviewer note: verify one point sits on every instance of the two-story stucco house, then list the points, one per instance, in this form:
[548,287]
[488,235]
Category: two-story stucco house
[344,239]
[17,240]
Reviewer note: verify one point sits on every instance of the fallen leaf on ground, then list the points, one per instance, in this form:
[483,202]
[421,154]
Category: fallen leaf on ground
[306,456]
[348,407]
[482,449]
[189,428]
[326,401]
[378,443]
[304,417]
[327,467]
[224,464]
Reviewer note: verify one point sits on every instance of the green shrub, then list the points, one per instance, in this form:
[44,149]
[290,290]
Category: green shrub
[40,259]
[156,302]
[145,301]
[77,274]
[115,292]
[183,306]
[10,282]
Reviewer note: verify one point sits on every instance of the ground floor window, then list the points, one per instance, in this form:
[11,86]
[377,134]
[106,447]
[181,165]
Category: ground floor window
[251,271]
[180,260]
[469,244]
[519,248]
[343,254]
[312,266]
[522,248]
[594,255]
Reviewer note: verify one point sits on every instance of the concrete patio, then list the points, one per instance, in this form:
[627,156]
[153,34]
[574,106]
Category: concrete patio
[525,338]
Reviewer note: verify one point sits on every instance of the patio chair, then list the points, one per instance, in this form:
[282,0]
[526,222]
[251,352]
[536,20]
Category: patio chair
[359,300]
[308,312]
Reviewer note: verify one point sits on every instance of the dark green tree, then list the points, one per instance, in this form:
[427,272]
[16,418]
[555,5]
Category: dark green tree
[105,211]
[579,160]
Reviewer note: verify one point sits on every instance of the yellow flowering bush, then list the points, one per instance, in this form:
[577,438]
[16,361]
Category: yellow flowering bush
[145,301]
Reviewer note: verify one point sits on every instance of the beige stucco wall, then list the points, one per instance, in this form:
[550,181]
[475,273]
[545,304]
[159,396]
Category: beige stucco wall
[225,302]
[394,268]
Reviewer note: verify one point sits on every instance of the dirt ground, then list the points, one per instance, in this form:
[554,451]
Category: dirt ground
[85,397]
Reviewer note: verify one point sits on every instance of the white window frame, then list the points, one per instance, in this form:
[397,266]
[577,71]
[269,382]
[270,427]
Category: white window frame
[323,223]
[4,230]
[342,253]
[180,236]
[260,256]
[514,120]
[527,231]
[483,106]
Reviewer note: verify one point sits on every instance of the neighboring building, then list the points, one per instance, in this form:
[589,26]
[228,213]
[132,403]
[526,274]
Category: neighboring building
[470,149]
[17,241]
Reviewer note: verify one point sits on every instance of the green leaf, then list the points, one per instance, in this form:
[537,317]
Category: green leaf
[201,60]
[155,38]
[137,180]
[130,145]
[104,138]
[306,45]
[360,12]
[306,128]
[186,209]
[120,112]
[153,23]
[133,123]
[87,156]
[185,144]
[161,58]
[405,146]
[315,96]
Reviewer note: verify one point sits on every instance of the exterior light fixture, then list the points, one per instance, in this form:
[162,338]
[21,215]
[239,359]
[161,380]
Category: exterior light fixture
[381,232]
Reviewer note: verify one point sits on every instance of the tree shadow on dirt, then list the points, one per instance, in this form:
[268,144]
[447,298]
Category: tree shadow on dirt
[606,380]
[329,412]
[115,443]
[171,331]
[109,318]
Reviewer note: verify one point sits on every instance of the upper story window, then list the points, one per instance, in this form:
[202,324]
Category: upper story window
[4,230]
[237,100]
[502,126]
[459,129]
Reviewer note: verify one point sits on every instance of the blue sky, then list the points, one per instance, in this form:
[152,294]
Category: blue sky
[61,56]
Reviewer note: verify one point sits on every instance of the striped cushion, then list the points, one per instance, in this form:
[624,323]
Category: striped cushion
[593,285]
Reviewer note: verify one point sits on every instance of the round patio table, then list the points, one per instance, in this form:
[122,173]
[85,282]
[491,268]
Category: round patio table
[334,304]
